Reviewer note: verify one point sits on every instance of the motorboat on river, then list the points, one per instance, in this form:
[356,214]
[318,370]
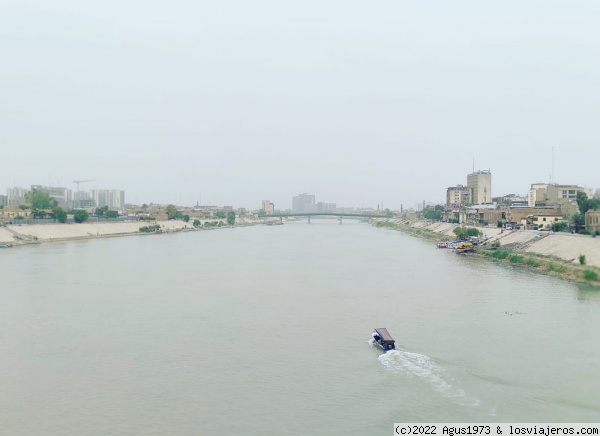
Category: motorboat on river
[383,339]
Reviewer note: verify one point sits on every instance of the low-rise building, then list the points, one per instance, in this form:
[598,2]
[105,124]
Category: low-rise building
[9,213]
[518,214]
[484,213]
[541,222]
[592,220]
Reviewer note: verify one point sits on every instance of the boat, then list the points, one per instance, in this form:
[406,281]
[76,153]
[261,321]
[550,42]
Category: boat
[465,247]
[383,339]
[3,245]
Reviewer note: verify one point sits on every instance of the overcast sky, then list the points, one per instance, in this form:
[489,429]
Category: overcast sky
[356,102]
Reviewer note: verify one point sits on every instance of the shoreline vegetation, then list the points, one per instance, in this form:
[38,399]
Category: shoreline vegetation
[521,250]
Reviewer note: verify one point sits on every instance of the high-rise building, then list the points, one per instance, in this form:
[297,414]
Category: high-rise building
[479,184]
[16,196]
[3,200]
[268,207]
[325,207]
[303,203]
[112,198]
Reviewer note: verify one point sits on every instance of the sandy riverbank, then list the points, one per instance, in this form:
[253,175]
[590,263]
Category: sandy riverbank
[36,233]
[556,254]
[565,246]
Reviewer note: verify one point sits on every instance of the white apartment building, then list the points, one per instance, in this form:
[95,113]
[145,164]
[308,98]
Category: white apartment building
[268,207]
[303,203]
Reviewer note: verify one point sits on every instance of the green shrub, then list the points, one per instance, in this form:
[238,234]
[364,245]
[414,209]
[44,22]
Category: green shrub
[550,267]
[532,262]
[584,232]
[500,254]
[582,259]
[496,244]
[515,258]
[588,274]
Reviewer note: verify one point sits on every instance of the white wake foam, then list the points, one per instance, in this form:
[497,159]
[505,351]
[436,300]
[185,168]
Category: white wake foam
[421,366]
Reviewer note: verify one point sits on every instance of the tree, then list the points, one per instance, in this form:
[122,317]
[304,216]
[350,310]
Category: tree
[39,200]
[559,226]
[59,214]
[230,218]
[433,212]
[171,211]
[196,223]
[261,212]
[101,211]
[186,218]
[578,221]
[586,203]
[80,216]
[220,214]
[112,214]
[464,232]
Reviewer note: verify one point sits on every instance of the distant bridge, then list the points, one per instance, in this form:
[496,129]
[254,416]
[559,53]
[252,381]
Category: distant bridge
[339,215]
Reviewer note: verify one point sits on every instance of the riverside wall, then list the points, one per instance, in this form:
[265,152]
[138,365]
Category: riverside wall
[565,246]
[37,233]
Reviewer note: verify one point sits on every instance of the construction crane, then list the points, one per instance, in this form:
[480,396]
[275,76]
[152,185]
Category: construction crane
[81,181]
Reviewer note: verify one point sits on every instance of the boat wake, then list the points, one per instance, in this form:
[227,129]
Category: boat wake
[422,367]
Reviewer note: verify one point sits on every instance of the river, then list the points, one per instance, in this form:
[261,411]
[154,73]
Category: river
[264,331]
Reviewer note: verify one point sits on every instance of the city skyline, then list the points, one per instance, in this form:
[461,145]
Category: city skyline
[205,104]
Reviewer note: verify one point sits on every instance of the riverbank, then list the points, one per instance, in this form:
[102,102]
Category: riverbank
[556,254]
[39,233]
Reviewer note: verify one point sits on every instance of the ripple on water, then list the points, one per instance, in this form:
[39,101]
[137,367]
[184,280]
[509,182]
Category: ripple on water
[422,367]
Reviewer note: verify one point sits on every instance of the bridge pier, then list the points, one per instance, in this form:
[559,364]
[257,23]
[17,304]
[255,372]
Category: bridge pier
[309,219]
[281,219]
[340,218]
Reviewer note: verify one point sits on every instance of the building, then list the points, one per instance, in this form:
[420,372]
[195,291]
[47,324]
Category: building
[479,185]
[62,195]
[518,214]
[484,214]
[552,194]
[457,197]
[268,207]
[592,220]
[3,200]
[303,203]
[537,192]
[541,221]
[325,207]
[16,196]
[511,200]
[114,199]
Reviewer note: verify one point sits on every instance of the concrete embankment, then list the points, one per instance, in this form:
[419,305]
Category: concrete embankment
[36,233]
[565,246]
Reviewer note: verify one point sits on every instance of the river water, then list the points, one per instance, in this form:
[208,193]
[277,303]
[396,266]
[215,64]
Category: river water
[264,330]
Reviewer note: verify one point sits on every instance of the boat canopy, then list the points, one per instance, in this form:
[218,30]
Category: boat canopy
[384,334]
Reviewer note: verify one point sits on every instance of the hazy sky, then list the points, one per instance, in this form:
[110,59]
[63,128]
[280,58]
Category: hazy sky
[356,102]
